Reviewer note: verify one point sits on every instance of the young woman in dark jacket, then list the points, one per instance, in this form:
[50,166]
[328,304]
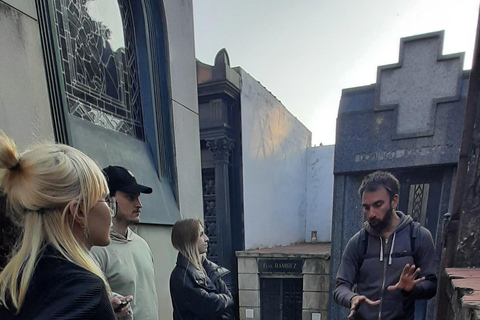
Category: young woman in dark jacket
[60,198]
[196,286]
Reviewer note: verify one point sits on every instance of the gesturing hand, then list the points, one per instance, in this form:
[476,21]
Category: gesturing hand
[357,301]
[407,280]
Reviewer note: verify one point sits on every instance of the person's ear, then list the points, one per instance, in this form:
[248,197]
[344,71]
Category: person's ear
[395,202]
[75,209]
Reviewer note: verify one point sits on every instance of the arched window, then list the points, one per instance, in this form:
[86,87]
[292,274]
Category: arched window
[99,63]
[107,73]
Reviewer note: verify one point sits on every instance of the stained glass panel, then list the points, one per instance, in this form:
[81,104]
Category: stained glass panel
[99,63]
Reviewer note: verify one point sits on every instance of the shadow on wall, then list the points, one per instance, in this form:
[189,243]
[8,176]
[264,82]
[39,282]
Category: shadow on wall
[273,135]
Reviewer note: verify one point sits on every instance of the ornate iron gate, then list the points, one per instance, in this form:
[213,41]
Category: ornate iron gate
[281,298]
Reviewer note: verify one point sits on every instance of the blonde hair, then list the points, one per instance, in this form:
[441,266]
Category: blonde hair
[185,235]
[40,185]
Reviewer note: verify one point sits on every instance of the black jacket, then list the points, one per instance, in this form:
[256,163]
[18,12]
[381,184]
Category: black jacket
[62,290]
[199,297]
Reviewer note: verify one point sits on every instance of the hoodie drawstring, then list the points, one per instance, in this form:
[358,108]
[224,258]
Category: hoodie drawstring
[391,249]
[381,249]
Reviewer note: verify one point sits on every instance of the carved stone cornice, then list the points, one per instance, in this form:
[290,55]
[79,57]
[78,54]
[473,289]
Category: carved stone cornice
[220,148]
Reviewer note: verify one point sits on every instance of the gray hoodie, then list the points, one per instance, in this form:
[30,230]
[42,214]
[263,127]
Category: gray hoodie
[382,266]
[128,265]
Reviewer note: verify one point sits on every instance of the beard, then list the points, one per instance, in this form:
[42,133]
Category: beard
[127,219]
[380,224]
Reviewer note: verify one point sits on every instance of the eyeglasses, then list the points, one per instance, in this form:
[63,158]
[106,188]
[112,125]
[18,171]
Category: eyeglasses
[112,205]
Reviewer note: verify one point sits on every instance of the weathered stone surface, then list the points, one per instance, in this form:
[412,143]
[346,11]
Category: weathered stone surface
[314,282]
[406,119]
[463,289]
[316,266]
[468,243]
[315,300]
[25,113]
[247,265]
[248,281]
[414,86]
[249,298]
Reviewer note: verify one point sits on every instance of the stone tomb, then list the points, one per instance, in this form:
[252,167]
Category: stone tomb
[284,283]
[409,123]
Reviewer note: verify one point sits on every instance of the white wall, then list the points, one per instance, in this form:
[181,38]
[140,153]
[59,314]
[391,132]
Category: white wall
[274,147]
[24,106]
[319,192]
[179,16]
[183,81]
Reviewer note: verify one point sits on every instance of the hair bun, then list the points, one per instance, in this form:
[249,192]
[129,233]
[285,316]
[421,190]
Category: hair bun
[9,157]
[15,167]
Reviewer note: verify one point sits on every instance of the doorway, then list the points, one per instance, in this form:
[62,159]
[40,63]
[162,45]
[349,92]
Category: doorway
[281,298]
[421,195]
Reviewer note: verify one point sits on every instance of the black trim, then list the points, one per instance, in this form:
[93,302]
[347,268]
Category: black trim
[54,81]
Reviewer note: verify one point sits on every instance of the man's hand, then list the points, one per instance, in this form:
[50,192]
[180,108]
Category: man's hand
[357,301]
[121,305]
[407,280]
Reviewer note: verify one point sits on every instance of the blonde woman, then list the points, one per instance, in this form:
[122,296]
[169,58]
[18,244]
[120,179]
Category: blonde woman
[196,286]
[60,197]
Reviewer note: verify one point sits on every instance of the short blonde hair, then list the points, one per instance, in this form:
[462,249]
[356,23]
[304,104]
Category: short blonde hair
[40,185]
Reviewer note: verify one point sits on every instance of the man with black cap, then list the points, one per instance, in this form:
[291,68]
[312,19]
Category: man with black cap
[128,261]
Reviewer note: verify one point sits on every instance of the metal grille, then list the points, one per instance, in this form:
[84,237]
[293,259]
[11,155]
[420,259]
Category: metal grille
[417,204]
[417,201]
[209,213]
[101,75]
[281,298]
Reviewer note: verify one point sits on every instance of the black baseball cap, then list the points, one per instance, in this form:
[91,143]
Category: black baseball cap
[119,178]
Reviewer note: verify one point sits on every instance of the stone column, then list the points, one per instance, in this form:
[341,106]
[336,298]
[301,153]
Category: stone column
[221,149]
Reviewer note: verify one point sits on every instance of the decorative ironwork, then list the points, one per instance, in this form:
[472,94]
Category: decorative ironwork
[209,213]
[417,206]
[210,209]
[417,201]
[209,187]
[99,63]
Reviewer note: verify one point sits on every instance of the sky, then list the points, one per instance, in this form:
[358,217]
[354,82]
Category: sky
[306,51]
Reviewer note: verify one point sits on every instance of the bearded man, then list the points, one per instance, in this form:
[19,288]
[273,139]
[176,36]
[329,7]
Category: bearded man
[388,264]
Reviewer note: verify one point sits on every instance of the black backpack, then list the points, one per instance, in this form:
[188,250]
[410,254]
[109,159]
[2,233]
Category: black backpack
[414,245]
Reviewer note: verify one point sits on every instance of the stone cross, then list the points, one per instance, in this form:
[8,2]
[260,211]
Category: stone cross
[414,86]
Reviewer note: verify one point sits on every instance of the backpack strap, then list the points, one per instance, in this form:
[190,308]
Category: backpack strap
[414,245]
[362,246]
[414,234]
